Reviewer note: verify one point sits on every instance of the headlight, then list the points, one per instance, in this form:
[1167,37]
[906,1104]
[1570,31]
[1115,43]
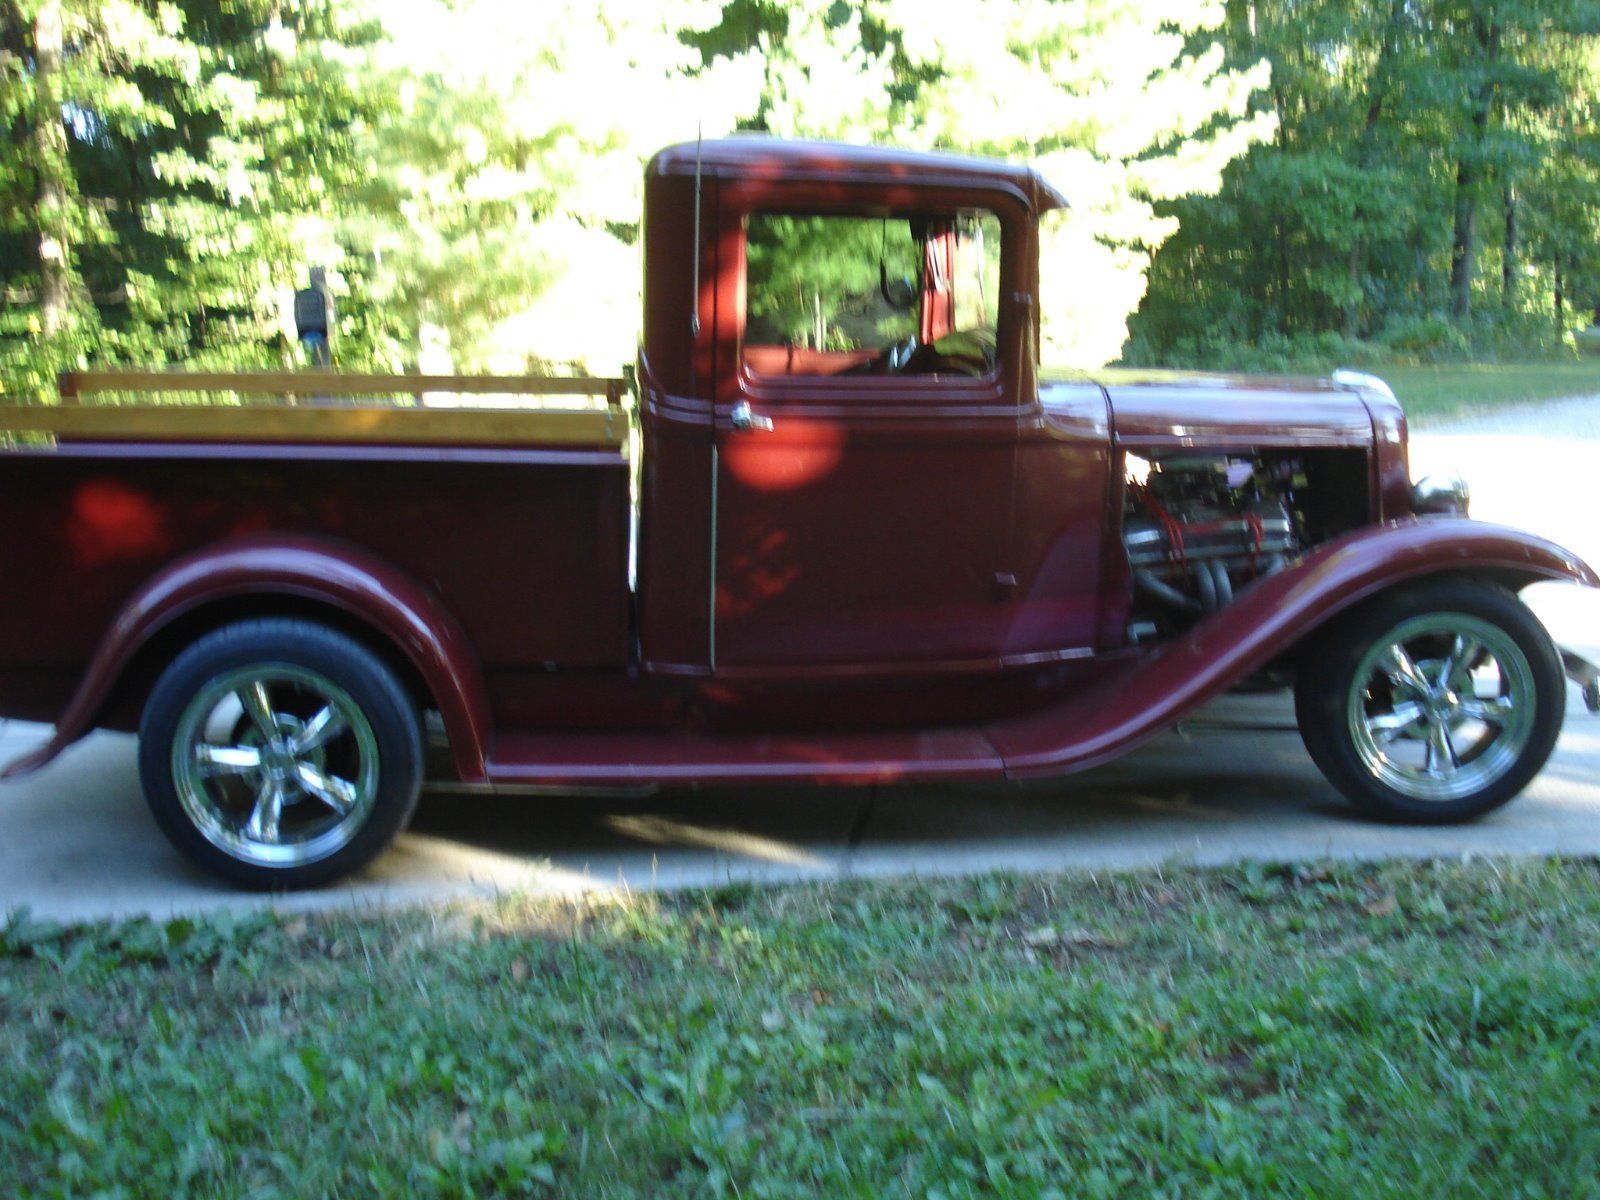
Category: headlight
[1441,494]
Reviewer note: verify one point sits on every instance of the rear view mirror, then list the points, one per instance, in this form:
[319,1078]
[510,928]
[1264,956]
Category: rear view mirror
[899,294]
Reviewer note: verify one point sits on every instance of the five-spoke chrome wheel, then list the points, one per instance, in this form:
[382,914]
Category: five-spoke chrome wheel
[275,764]
[1442,705]
[1434,703]
[280,753]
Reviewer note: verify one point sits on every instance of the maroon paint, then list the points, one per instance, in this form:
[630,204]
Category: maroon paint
[686,373]
[393,604]
[897,175]
[675,381]
[484,530]
[1063,547]
[814,568]
[914,578]
[674,530]
[1263,621]
[1129,704]
[1391,465]
[623,760]
[1160,410]
[814,565]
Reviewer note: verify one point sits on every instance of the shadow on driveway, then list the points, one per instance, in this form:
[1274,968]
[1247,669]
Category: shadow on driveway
[76,840]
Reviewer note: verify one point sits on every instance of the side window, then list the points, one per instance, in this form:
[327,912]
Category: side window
[851,295]
[813,282]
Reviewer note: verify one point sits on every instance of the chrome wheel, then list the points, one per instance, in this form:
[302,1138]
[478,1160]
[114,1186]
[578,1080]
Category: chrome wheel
[1442,706]
[275,765]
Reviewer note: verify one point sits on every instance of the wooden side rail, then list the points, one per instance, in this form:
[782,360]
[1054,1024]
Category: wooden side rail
[76,384]
[345,423]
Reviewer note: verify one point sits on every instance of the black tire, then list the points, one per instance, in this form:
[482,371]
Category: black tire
[1330,710]
[374,735]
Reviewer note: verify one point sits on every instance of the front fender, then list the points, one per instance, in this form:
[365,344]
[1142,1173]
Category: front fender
[375,593]
[1153,693]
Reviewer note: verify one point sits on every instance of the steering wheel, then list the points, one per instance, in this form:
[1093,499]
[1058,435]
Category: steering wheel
[899,354]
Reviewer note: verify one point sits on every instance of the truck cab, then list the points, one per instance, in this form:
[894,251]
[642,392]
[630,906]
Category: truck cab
[851,416]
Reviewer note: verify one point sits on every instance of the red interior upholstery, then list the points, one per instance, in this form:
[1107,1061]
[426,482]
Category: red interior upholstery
[797,360]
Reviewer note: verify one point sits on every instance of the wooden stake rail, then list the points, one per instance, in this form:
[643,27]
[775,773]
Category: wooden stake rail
[74,384]
[375,423]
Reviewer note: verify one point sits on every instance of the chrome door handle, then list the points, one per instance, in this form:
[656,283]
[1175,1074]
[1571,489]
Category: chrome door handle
[745,420]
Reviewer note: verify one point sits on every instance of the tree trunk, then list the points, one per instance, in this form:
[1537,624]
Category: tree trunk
[1463,247]
[1283,278]
[1241,22]
[49,137]
[1560,299]
[1508,250]
[1377,95]
[1352,304]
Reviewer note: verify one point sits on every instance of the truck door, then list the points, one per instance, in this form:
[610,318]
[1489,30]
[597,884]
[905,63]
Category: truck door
[865,448]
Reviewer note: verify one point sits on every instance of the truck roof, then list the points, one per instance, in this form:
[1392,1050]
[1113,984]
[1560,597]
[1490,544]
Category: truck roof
[756,156]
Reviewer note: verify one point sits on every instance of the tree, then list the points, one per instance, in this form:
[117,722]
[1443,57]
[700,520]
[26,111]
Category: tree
[501,221]
[1405,130]
[50,172]
[163,152]
[1108,97]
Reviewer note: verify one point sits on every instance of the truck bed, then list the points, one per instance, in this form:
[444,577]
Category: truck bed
[515,519]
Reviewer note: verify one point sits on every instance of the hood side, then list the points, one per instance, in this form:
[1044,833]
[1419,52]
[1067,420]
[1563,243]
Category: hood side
[1165,410]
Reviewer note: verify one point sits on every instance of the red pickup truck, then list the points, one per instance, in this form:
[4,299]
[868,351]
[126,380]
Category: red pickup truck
[860,536]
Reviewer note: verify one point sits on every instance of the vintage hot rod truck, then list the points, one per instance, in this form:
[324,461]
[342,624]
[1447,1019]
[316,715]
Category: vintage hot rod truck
[868,539]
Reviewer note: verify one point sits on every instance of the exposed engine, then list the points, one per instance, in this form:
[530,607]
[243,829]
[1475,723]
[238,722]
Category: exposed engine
[1198,528]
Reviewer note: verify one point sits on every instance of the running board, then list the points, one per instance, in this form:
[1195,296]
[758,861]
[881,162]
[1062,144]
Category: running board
[631,760]
[1083,731]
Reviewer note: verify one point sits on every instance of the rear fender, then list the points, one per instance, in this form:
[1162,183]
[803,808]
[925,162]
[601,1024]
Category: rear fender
[394,606]
[1264,621]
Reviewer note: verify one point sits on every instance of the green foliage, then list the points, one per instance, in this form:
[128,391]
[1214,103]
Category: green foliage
[500,228]
[1299,181]
[213,154]
[811,274]
[195,138]
[1297,1030]
[468,171]
[1430,186]
[1110,98]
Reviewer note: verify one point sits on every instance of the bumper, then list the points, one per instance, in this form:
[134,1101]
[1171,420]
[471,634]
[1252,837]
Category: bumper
[1585,674]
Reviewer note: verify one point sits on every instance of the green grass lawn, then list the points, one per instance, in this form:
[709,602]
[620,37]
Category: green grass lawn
[1343,1031]
[1435,392]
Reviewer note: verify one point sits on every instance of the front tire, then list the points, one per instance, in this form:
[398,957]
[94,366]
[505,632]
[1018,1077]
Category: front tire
[280,754]
[1435,703]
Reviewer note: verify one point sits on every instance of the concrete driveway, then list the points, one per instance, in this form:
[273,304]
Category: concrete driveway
[76,841]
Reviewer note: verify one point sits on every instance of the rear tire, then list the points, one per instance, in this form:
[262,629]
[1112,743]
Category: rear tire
[280,754]
[1435,703]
